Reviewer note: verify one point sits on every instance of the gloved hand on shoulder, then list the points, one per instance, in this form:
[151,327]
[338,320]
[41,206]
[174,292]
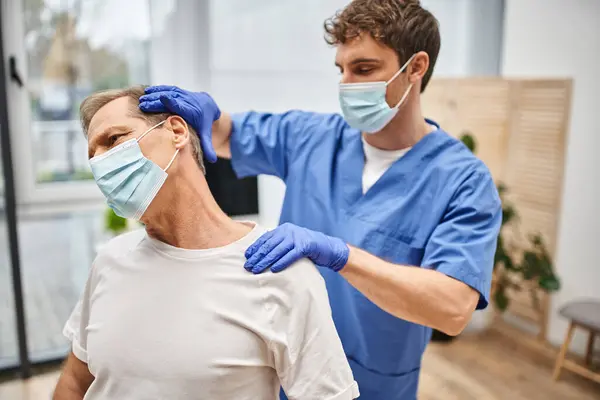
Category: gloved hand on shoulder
[284,245]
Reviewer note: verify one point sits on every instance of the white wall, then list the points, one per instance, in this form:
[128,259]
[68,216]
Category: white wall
[549,38]
[179,50]
[261,58]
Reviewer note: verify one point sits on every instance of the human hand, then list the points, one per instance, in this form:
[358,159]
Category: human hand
[281,247]
[197,109]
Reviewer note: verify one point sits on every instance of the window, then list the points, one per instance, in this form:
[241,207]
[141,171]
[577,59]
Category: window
[65,50]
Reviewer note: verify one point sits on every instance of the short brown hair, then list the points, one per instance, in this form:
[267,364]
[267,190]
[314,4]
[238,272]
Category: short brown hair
[402,25]
[94,102]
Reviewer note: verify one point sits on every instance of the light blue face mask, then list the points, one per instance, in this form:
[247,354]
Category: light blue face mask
[364,106]
[129,180]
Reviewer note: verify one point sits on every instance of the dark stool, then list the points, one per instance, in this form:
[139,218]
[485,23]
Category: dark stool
[584,315]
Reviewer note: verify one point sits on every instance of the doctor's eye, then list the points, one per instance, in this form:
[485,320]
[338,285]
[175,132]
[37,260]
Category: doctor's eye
[363,71]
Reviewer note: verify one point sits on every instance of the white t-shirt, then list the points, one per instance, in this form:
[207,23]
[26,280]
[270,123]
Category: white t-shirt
[378,161]
[159,322]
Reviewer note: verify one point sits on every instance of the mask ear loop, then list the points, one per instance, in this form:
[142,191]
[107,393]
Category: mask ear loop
[148,131]
[404,97]
[172,159]
[400,70]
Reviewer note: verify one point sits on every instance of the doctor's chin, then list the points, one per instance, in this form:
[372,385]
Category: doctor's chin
[325,200]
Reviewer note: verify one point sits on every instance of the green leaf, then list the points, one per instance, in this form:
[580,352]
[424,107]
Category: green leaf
[114,223]
[549,283]
[536,240]
[501,188]
[469,141]
[500,299]
[508,213]
[508,264]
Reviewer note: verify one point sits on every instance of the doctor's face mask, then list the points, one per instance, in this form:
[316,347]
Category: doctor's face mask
[364,104]
[371,38]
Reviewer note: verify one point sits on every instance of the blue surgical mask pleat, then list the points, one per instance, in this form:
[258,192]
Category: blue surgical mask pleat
[124,182]
[364,105]
[128,179]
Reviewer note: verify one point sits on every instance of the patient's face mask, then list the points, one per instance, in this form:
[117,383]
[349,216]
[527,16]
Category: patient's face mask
[128,179]
[364,106]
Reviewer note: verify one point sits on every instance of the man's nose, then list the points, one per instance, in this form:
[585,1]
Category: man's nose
[346,77]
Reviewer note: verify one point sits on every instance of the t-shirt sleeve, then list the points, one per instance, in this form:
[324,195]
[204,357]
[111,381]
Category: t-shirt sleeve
[266,143]
[463,245]
[76,327]
[308,354]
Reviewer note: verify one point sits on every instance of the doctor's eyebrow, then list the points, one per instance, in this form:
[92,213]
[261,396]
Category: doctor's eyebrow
[361,60]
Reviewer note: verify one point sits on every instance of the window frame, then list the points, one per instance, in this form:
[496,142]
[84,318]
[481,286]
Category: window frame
[192,17]
[28,190]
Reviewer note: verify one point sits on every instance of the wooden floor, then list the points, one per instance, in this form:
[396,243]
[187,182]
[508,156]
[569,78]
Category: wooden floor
[489,367]
[496,367]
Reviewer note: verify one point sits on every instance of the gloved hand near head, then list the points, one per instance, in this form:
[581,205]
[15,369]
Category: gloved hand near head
[197,109]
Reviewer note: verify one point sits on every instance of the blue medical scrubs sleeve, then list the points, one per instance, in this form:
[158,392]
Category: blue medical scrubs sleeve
[463,245]
[264,143]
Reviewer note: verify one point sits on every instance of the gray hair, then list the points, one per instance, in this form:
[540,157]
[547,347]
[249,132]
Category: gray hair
[94,102]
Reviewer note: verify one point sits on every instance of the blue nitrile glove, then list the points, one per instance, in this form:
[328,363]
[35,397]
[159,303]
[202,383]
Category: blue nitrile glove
[279,248]
[197,109]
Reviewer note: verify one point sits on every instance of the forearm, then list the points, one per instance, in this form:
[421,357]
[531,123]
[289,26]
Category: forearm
[221,135]
[418,295]
[68,389]
[74,380]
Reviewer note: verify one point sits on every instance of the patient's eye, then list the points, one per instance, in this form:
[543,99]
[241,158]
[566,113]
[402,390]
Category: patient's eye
[114,138]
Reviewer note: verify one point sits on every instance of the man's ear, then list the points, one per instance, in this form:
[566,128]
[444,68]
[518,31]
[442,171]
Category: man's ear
[418,67]
[181,132]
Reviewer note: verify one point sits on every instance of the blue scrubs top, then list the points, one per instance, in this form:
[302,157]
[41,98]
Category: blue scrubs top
[437,207]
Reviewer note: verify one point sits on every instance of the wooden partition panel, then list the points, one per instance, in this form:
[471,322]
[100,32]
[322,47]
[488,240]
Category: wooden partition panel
[520,127]
[480,106]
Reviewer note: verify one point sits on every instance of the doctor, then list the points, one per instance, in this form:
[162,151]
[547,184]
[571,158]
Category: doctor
[400,217]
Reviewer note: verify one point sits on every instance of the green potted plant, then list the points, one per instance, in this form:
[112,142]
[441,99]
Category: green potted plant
[113,223]
[531,269]
[113,226]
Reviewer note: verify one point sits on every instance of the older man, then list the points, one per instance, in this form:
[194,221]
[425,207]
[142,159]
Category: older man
[170,313]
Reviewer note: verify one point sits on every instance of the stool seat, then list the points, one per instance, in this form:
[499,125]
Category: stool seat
[584,312]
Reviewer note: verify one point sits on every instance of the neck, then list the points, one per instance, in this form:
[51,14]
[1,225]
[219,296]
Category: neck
[404,130]
[185,214]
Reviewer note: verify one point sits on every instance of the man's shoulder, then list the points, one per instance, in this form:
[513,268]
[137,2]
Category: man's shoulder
[302,279]
[454,157]
[121,244]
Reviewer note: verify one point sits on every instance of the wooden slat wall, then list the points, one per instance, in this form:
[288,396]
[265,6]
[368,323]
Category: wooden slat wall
[480,106]
[520,127]
[535,162]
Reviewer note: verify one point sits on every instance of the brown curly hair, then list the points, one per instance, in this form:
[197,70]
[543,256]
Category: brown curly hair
[402,25]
